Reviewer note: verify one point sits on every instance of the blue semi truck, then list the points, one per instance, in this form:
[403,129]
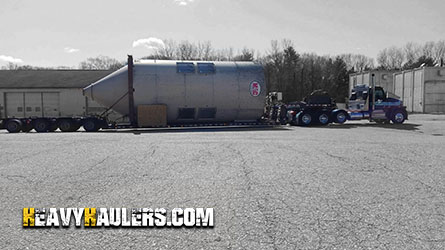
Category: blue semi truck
[364,103]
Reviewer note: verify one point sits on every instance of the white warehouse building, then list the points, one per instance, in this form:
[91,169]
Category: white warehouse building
[422,90]
[47,93]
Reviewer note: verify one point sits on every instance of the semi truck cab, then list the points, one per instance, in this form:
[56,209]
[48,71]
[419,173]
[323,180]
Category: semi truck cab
[378,106]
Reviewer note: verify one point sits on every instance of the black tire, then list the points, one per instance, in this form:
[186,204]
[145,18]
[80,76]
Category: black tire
[53,127]
[41,125]
[305,118]
[340,117]
[91,125]
[13,126]
[27,127]
[398,116]
[67,125]
[76,127]
[323,118]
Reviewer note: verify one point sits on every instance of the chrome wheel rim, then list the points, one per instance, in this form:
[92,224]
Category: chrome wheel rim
[341,117]
[323,118]
[399,117]
[306,119]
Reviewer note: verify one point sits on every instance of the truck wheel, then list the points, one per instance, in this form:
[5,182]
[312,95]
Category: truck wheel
[76,127]
[398,117]
[323,118]
[66,125]
[27,127]
[340,117]
[13,126]
[91,125]
[53,127]
[305,119]
[41,125]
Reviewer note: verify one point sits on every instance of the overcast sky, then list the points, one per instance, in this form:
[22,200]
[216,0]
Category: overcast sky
[55,32]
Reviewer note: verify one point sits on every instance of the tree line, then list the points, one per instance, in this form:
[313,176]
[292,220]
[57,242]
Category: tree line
[412,55]
[286,70]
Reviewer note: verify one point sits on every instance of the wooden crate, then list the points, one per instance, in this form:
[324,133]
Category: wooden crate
[152,115]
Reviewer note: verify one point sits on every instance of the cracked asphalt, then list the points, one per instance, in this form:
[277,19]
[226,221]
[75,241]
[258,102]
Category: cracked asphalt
[354,186]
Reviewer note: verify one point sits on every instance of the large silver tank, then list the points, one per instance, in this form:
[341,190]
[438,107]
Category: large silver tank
[193,91]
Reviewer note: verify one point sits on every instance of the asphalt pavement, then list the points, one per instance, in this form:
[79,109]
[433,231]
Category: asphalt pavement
[354,186]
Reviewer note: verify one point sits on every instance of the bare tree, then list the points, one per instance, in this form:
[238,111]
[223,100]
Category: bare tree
[205,51]
[357,62]
[100,63]
[11,66]
[428,49]
[168,51]
[275,53]
[186,51]
[362,62]
[245,55]
[412,52]
[224,54]
[439,52]
[391,58]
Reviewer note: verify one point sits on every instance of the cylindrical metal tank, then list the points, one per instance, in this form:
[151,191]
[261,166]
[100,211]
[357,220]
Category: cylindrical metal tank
[192,91]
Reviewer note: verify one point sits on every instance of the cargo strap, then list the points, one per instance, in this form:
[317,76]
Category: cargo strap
[108,109]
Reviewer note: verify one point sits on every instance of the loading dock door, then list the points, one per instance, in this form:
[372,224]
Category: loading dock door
[33,104]
[50,101]
[14,105]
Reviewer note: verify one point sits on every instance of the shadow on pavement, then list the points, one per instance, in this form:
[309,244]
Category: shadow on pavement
[405,126]
[195,129]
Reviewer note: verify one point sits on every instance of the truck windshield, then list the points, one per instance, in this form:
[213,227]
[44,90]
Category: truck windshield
[359,95]
[379,94]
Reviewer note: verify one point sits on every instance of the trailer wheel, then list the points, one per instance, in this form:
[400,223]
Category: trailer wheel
[398,116]
[27,127]
[340,117]
[305,119]
[323,118]
[13,126]
[53,127]
[67,125]
[41,125]
[91,125]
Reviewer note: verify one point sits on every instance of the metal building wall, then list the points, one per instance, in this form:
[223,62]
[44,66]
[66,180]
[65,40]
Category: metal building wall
[434,93]
[408,87]
[398,84]
[418,91]
[422,90]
